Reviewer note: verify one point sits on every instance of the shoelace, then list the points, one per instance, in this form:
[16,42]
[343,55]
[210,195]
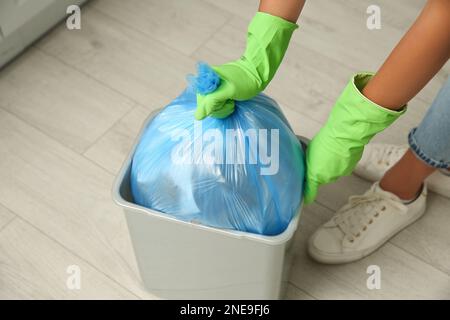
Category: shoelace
[370,205]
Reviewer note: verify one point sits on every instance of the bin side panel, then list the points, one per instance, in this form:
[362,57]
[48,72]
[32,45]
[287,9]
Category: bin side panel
[180,261]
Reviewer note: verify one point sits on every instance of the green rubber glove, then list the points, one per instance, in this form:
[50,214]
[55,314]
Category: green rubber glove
[337,148]
[267,41]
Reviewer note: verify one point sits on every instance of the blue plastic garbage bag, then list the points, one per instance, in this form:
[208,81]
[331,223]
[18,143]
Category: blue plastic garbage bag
[244,172]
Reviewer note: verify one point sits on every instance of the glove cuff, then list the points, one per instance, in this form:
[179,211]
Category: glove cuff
[358,117]
[353,121]
[267,41]
[265,21]
[353,97]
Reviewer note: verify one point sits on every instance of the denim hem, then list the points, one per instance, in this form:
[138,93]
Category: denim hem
[422,156]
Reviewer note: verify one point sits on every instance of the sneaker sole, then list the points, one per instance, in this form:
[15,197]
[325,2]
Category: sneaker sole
[352,257]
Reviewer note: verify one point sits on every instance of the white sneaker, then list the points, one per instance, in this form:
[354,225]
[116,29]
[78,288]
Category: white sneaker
[379,158]
[364,224]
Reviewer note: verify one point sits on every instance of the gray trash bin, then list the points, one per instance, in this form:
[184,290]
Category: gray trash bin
[182,260]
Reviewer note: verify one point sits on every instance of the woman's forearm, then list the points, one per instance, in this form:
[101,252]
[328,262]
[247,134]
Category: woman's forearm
[419,55]
[286,9]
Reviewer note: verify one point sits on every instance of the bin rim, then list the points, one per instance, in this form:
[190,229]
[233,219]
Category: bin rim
[278,239]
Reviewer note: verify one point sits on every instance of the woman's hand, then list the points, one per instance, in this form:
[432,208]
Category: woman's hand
[337,148]
[267,41]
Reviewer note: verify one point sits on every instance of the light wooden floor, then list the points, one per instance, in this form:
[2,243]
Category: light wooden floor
[72,104]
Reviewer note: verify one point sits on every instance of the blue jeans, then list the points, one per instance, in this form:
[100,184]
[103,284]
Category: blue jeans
[430,141]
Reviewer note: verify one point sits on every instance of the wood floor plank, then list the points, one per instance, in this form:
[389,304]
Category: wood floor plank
[429,238]
[330,27]
[243,9]
[5,216]
[301,124]
[112,149]
[62,102]
[389,11]
[67,197]
[124,59]
[33,266]
[294,293]
[183,25]
[402,274]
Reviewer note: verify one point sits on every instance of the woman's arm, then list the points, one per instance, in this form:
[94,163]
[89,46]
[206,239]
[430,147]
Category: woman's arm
[339,145]
[419,55]
[286,9]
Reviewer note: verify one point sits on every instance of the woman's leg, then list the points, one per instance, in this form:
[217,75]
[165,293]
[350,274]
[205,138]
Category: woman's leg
[406,177]
[429,150]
